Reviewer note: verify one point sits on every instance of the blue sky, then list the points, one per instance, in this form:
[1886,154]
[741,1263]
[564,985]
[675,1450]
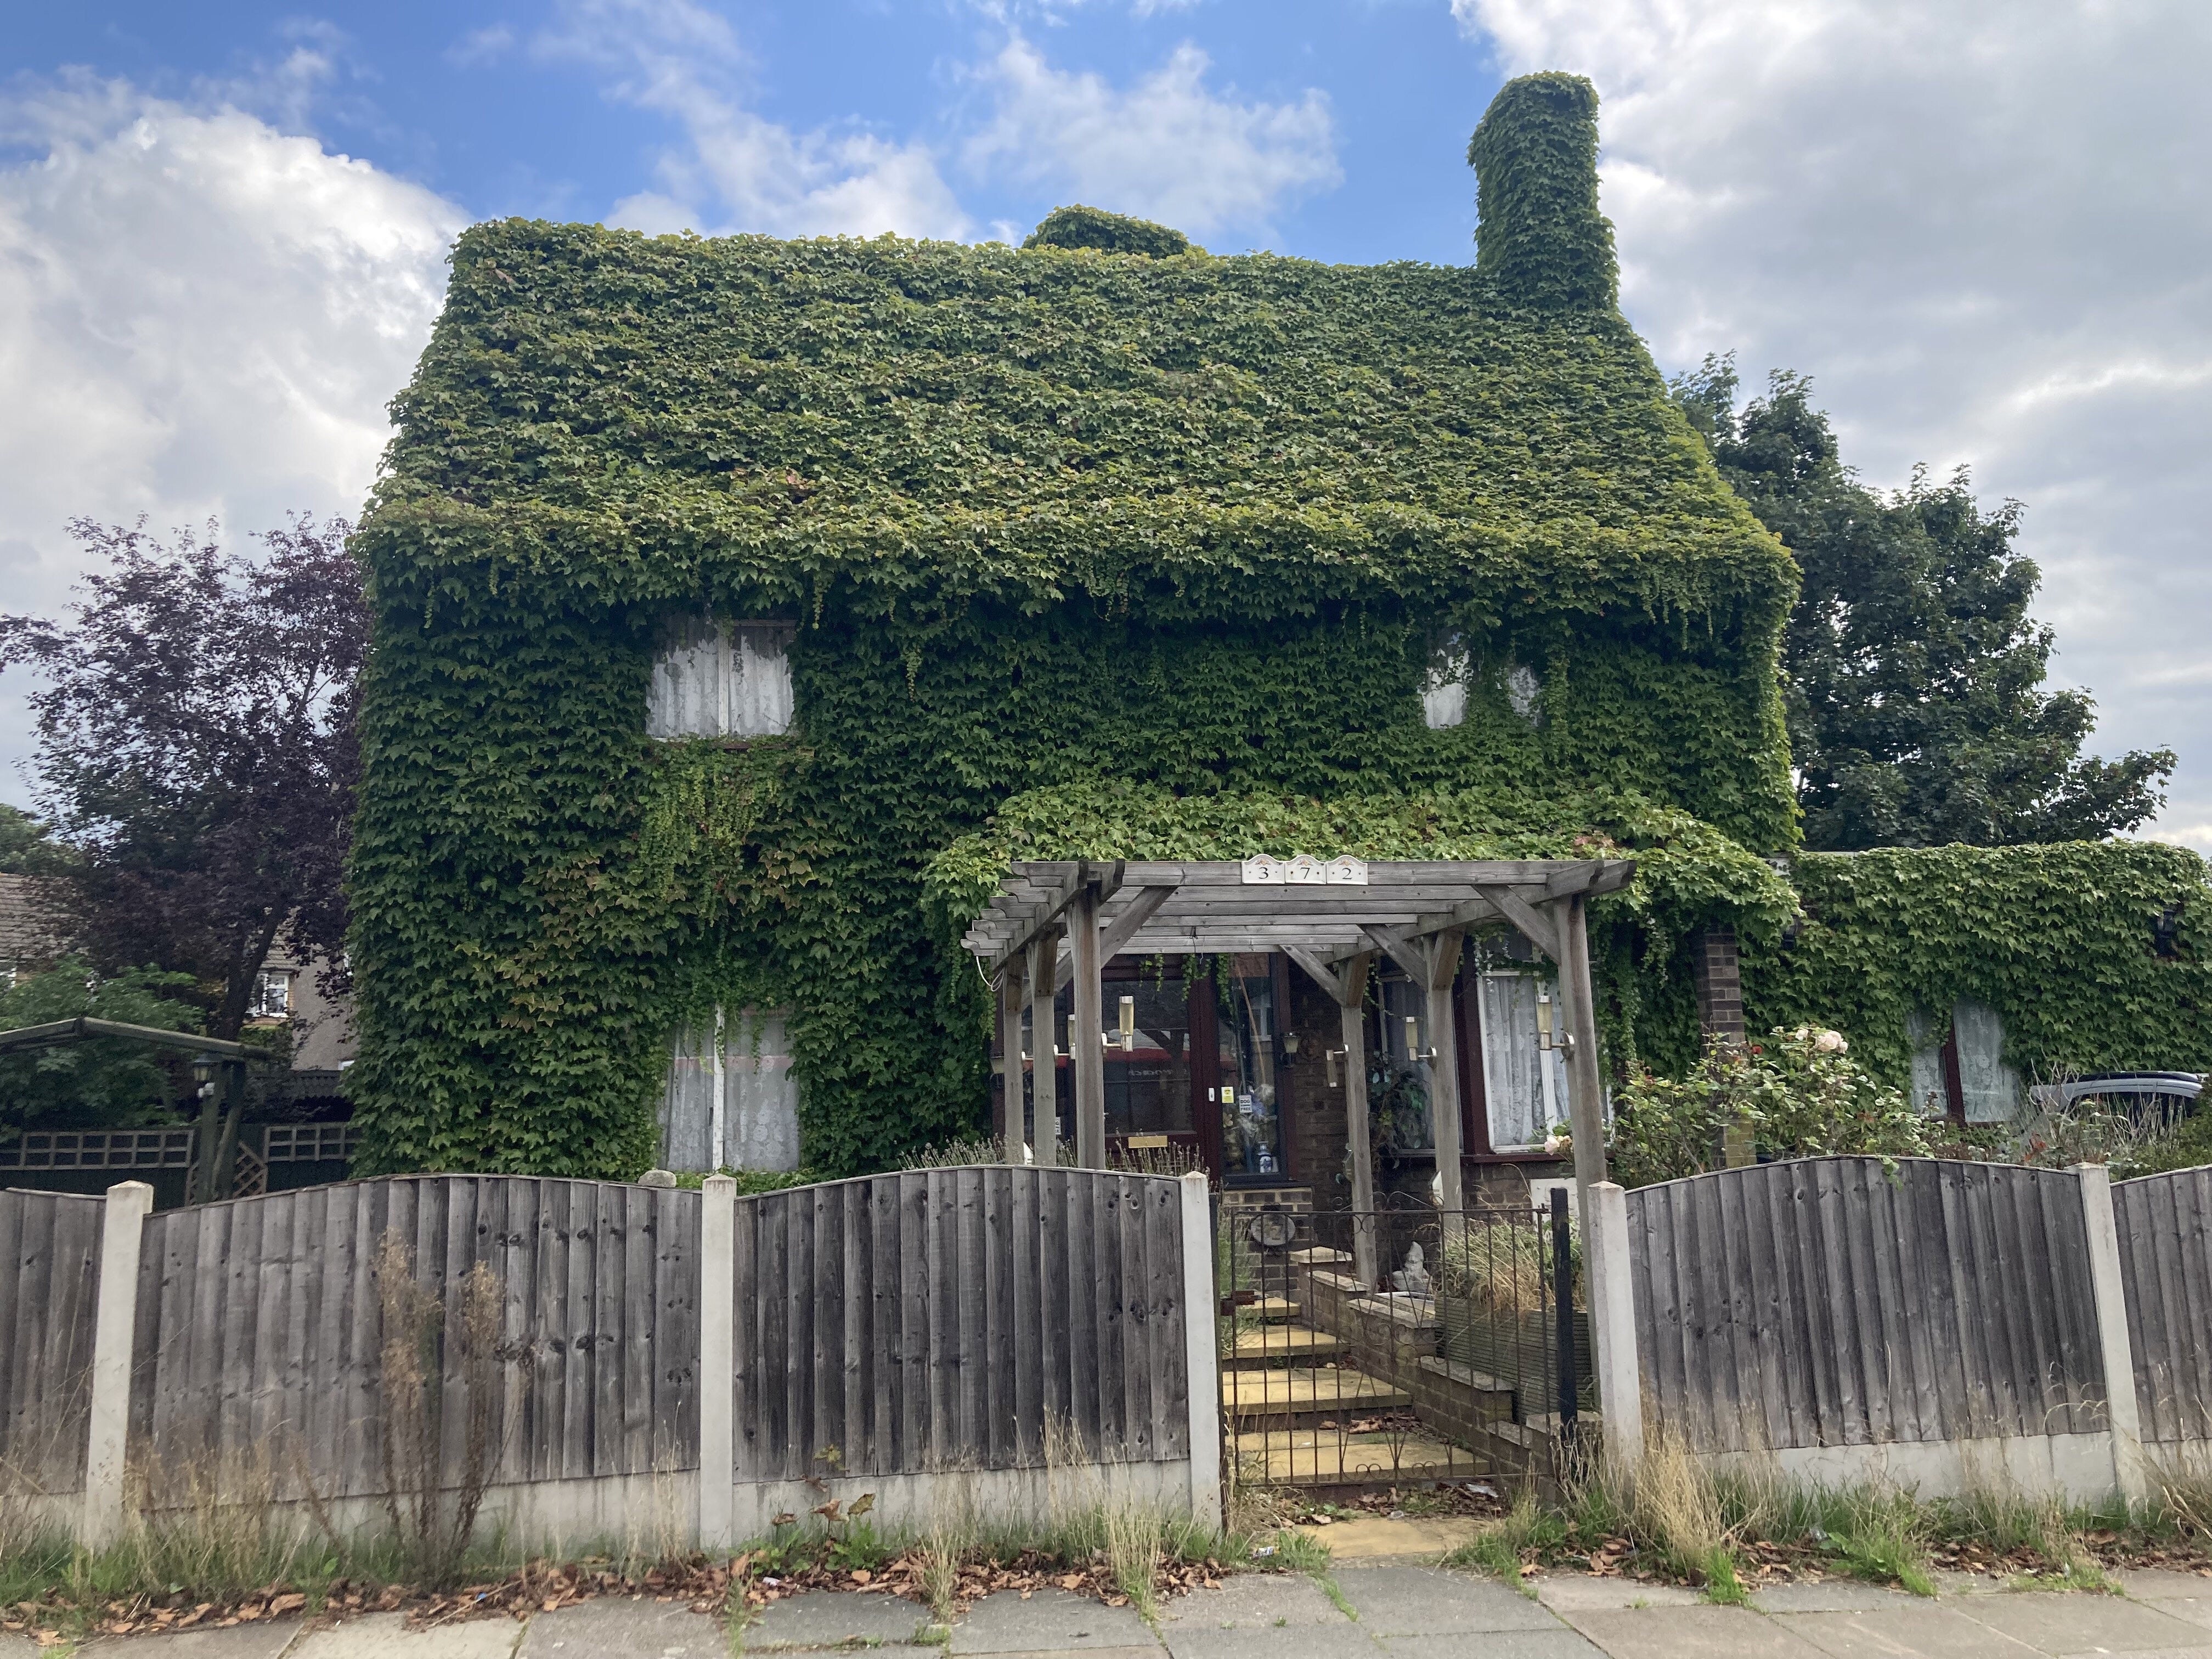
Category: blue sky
[472,101]
[1985,232]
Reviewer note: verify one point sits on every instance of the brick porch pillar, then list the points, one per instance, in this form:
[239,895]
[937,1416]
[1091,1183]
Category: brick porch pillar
[1720,984]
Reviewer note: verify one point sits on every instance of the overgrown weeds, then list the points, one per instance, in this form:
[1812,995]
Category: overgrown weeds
[433,1515]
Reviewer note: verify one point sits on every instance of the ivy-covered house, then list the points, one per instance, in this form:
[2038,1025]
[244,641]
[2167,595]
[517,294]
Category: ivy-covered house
[744,605]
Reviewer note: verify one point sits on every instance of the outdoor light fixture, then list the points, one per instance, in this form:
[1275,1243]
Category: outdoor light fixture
[1290,1043]
[1544,1021]
[203,1068]
[1414,1053]
[1128,1025]
[1328,1061]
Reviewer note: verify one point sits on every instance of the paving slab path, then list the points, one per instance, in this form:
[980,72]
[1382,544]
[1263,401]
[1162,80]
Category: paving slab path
[1379,1608]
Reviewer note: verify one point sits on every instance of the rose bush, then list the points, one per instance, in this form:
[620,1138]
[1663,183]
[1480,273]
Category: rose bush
[1799,1093]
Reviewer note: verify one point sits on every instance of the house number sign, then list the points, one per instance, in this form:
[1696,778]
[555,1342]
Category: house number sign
[1304,870]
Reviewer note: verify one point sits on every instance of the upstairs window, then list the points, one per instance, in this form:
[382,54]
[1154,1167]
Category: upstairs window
[272,994]
[718,679]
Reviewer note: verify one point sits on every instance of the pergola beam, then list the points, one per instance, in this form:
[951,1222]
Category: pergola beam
[1114,935]
[1084,878]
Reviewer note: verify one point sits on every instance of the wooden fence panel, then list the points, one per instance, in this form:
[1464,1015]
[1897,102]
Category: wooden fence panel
[259,1336]
[1844,1301]
[49,1297]
[2165,1223]
[935,1319]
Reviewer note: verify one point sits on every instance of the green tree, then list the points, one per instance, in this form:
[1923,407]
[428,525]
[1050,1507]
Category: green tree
[28,847]
[106,1082]
[1918,714]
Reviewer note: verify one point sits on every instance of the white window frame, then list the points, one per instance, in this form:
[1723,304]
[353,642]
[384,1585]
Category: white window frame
[262,983]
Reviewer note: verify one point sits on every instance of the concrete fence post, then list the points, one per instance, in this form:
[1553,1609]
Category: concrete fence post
[718,1333]
[1201,1358]
[122,1237]
[2123,1415]
[1613,1325]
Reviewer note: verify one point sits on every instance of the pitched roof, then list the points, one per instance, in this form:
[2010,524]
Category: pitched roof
[661,417]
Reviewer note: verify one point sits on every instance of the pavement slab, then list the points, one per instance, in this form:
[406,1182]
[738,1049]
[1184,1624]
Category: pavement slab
[2162,1583]
[620,1627]
[2197,1609]
[1833,1595]
[828,1618]
[1950,1582]
[1396,1601]
[384,1636]
[1926,1630]
[254,1641]
[1048,1621]
[1587,1593]
[1253,1601]
[1342,1640]
[1558,1643]
[1704,1632]
[2056,1622]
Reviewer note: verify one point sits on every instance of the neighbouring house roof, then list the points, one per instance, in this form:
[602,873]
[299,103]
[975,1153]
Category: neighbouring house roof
[32,932]
[752,420]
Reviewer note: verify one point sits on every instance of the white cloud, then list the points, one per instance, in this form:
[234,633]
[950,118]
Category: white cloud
[1166,149]
[198,314]
[1987,233]
[738,171]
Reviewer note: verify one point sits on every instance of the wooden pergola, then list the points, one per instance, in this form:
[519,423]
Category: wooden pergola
[1051,923]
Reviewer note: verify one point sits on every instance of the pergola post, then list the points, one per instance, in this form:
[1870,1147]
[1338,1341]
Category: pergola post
[1044,1045]
[1444,952]
[1012,1133]
[1347,989]
[1086,1040]
[1585,1088]
[1358,1129]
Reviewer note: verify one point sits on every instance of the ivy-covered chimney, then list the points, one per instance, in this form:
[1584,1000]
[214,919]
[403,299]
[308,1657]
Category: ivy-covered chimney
[1541,240]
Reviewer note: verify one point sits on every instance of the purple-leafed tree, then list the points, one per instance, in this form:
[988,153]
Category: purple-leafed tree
[196,756]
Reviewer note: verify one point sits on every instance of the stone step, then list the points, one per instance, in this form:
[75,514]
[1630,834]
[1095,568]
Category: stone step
[1307,1392]
[1283,1344]
[1325,1457]
[1273,1309]
[1320,1255]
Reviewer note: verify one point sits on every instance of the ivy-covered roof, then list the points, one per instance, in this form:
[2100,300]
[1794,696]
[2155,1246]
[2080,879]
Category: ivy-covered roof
[750,420]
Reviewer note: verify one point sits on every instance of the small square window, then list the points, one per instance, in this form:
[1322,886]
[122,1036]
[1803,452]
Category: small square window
[272,994]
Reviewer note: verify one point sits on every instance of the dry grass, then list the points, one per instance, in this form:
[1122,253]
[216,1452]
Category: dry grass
[432,1520]
[1505,1265]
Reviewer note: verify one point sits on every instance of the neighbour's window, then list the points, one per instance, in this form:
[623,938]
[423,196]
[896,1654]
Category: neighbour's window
[272,993]
[718,679]
[1987,1089]
[1991,1088]
[1931,1092]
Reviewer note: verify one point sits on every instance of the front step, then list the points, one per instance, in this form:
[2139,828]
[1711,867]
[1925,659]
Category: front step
[1311,1457]
[1283,1344]
[1321,1392]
